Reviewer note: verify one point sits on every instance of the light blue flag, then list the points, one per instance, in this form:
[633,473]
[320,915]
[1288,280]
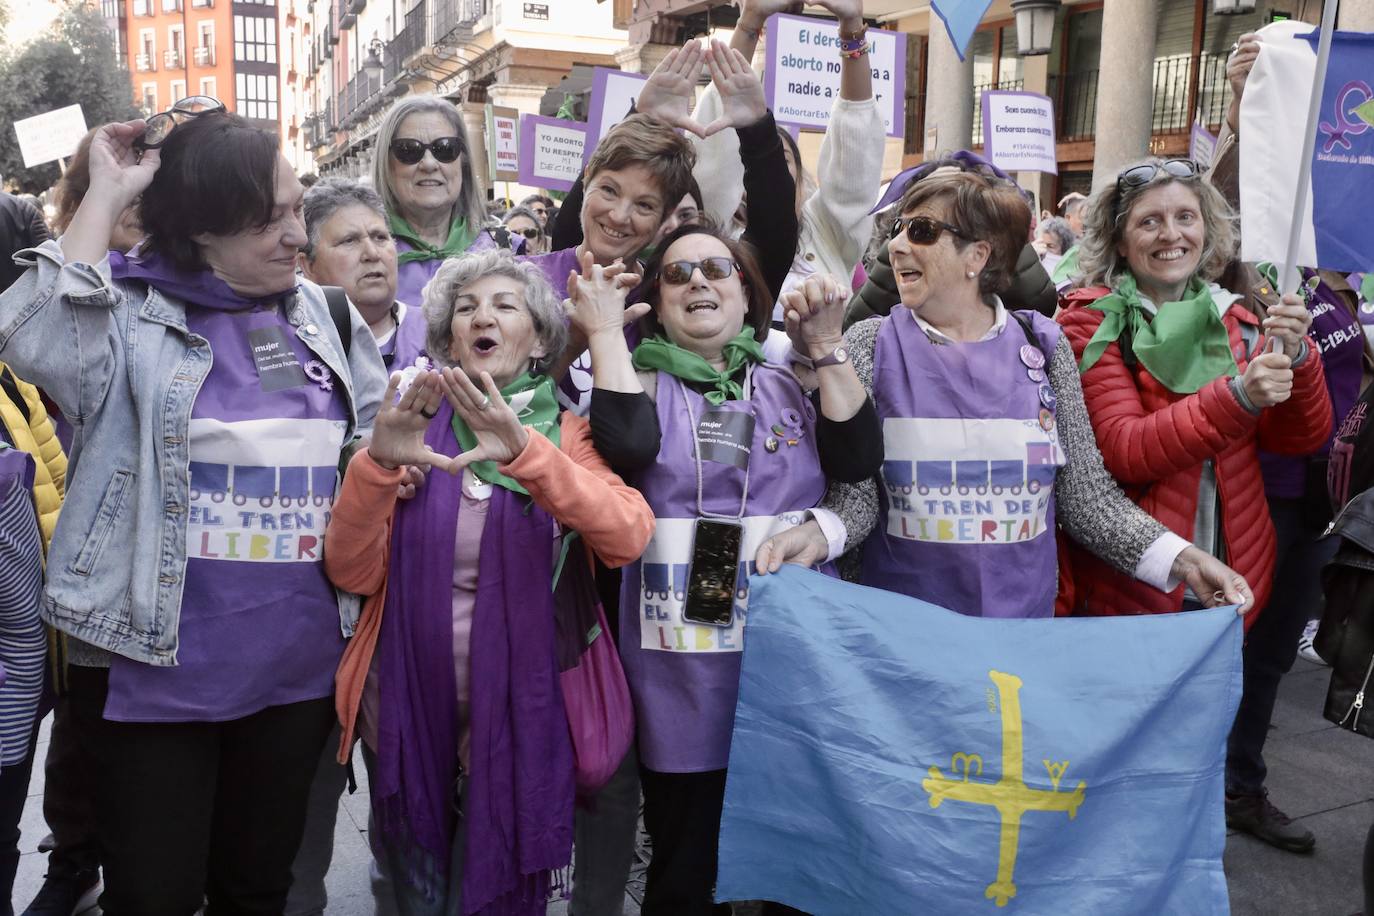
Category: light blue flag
[890,756]
[961,18]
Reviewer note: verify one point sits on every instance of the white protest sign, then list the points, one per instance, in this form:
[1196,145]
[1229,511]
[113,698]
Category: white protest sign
[1202,145]
[802,79]
[613,92]
[503,143]
[550,152]
[51,135]
[1018,131]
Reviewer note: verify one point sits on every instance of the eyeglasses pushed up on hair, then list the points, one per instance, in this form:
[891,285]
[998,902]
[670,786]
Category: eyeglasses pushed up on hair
[676,273]
[409,151]
[922,230]
[159,127]
[1138,175]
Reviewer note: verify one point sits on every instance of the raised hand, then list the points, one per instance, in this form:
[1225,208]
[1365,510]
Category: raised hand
[1268,380]
[741,93]
[803,544]
[398,435]
[596,298]
[500,437]
[671,89]
[814,313]
[118,173]
[1241,62]
[1211,580]
[754,13]
[850,13]
[1288,321]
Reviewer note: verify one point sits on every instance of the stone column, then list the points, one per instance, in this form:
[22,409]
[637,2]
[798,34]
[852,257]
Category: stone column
[475,121]
[1125,95]
[642,58]
[949,93]
[525,98]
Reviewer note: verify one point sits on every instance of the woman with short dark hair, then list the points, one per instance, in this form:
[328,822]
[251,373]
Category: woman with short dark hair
[214,396]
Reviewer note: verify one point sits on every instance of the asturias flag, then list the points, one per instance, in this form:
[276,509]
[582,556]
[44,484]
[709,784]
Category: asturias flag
[1335,230]
[890,756]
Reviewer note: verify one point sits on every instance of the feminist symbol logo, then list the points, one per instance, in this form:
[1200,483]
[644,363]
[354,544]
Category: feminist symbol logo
[1010,795]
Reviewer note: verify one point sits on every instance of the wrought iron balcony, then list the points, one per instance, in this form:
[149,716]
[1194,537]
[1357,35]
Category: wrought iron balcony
[457,16]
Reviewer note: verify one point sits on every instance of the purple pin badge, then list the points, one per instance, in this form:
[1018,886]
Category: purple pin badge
[1047,396]
[319,373]
[1032,357]
[1035,375]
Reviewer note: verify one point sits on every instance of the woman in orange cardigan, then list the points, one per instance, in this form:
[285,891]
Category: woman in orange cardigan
[452,679]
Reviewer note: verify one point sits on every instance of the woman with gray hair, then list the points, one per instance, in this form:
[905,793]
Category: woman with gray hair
[452,680]
[422,168]
[1182,382]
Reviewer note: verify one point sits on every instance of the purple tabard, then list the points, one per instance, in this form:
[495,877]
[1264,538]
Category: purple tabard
[259,621]
[407,341]
[412,276]
[971,454]
[684,676]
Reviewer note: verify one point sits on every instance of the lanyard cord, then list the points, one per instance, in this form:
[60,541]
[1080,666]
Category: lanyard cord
[696,449]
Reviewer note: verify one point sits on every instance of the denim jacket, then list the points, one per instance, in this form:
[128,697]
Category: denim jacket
[118,360]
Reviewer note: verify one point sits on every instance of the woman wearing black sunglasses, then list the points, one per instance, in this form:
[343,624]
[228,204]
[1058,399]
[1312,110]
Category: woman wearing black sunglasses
[1182,382]
[422,167]
[987,442]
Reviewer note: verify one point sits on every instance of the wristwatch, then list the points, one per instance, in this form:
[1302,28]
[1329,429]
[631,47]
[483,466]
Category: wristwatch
[836,357]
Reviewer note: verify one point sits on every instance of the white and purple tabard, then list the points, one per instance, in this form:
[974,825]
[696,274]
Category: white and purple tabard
[685,676]
[971,454]
[259,621]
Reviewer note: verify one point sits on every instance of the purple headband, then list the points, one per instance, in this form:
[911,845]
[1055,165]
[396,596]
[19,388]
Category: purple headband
[970,162]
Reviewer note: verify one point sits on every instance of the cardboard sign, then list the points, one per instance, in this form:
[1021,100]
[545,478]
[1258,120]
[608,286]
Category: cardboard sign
[613,92]
[802,80]
[1202,146]
[550,152]
[1018,131]
[51,135]
[503,143]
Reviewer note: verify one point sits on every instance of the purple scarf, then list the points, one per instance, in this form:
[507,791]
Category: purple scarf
[519,800]
[198,287]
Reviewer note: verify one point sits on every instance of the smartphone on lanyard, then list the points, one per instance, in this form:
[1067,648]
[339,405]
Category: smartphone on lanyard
[711,577]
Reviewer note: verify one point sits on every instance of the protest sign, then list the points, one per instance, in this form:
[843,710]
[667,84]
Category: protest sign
[802,80]
[50,135]
[503,147]
[1018,131]
[613,92]
[1202,145]
[550,152]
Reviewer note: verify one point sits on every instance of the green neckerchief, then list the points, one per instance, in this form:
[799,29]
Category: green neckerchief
[1184,347]
[1367,287]
[532,398]
[1067,268]
[659,353]
[459,240]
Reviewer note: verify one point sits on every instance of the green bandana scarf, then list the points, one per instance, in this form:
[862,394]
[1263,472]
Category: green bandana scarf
[459,240]
[1184,347]
[659,353]
[1367,287]
[1067,268]
[535,405]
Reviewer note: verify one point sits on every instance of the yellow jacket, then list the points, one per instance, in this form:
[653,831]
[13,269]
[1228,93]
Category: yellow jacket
[36,436]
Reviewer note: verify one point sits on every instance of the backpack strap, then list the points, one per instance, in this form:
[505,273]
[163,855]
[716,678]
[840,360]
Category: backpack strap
[11,388]
[339,311]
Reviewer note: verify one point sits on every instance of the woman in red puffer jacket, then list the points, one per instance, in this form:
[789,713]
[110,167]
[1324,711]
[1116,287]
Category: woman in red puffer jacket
[1180,381]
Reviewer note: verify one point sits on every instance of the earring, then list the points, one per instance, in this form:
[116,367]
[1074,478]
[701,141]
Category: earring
[971,274]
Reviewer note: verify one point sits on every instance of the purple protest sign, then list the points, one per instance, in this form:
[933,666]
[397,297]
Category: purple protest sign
[802,79]
[550,152]
[1202,145]
[1018,131]
[613,92]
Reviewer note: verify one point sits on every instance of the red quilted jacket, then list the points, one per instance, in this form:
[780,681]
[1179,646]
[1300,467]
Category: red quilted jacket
[1154,442]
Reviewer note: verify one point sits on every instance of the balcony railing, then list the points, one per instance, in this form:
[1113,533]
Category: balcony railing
[410,38]
[456,16]
[204,57]
[173,59]
[345,15]
[145,63]
[978,90]
[1075,96]
[1075,99]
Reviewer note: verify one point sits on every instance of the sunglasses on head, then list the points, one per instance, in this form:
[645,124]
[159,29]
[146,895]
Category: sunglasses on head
[1138,175]
[922,230]
[410,151]
[676,273]
[159,127]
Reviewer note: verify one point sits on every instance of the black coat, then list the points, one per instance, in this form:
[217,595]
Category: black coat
[21,226]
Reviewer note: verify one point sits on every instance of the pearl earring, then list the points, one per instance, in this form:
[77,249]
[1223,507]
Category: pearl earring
[971,274]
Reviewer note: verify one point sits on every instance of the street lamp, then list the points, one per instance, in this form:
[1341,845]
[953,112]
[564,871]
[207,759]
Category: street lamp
[372,64]
[1035,25]
[1233,7]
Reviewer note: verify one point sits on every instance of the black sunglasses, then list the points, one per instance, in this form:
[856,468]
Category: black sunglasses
[530,233]
[410,151]
[1138,175]
[159,127]
[676,273]
[922,230]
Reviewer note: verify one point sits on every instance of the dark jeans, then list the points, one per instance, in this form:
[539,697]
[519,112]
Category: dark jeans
[14,790]
[190,810]
[604,844]
[1272,643]
[69,796]
[682,815]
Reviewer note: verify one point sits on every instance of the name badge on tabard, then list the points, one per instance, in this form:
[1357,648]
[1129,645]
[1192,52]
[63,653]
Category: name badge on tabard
[278,365]
[726,436]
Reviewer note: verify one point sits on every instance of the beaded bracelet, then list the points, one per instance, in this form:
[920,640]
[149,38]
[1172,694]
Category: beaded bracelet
[856,53]
[853,42]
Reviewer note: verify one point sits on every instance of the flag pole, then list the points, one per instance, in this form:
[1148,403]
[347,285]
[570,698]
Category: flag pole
[1288,279]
